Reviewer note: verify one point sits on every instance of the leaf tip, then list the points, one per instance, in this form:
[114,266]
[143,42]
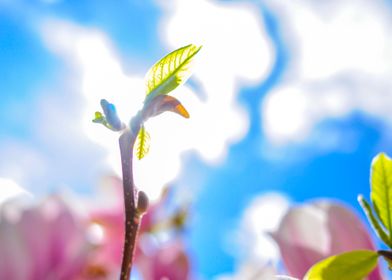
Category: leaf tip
[380,156]
[182,111]
[198,47]
[98,117]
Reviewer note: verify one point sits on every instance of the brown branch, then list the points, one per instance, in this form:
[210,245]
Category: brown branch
[386,254]
[132,215]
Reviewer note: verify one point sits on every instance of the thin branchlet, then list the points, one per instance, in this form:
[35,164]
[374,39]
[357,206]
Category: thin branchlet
[131,205]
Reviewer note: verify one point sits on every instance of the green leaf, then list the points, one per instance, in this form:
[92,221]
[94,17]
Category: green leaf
[143,143]
[373,220]
[353,265]
[98,117]
[381,194]
[171,71]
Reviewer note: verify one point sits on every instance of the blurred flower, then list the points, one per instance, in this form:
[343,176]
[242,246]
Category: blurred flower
[163,261]
[314,231]
[252,270]
[51,241]
[46,241]
[154,259]
[110,221]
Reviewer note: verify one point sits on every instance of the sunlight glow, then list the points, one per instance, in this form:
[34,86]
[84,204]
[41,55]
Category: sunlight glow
[284,116]
[215,121]
[223,65]
[95,234]
[9,189]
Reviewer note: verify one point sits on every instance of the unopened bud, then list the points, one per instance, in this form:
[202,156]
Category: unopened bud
[142,203]
[111,115]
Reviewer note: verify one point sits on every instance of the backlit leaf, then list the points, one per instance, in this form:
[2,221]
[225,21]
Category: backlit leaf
[355,265]
[98,117]
[381,194]
[142,143]
[373,220]
[170,71]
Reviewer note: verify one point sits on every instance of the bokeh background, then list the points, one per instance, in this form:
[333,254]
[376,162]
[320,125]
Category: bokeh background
[289,101]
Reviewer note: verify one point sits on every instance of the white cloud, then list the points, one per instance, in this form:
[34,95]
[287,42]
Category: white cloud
[251,271]
[236,52]
[260,218]
[9,189]
[22,163]
[96,74]
[229,58]
[233,36]
[340,61]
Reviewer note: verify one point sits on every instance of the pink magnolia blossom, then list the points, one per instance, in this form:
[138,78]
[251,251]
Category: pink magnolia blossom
[44,242]
[111,222]
[49,241]
[153,259]
[314,231]
[165,261]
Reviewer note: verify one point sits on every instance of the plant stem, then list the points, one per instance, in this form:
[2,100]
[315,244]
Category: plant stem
[132,217]
[386,254]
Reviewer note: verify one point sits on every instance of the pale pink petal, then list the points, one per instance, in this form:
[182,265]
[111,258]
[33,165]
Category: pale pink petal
[172,262]
[302,239]
[35,237]
[14,261]
[44,243]
[351,232]
[110,247]
[167,262]
[342,222]
[66,260]
[312,232]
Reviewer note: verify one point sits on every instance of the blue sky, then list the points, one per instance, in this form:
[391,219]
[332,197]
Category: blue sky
[292,98]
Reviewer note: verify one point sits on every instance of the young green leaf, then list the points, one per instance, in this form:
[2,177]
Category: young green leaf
[366,207]
[381,194]
[171,71]
[354,265]
[143,143]
[98,117]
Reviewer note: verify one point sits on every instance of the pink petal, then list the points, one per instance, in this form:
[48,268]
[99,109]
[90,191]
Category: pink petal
[351,232]
[317,230]
[302,239]
[14,262]
[47,242]
[168,261]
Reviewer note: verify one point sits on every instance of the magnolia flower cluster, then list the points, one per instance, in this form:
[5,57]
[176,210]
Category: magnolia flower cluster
[307,234]
[51,241]
[312,232]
